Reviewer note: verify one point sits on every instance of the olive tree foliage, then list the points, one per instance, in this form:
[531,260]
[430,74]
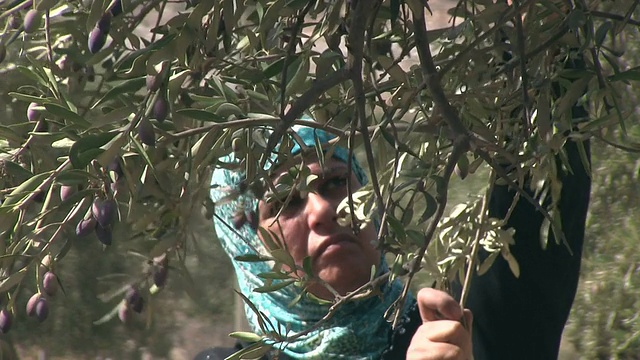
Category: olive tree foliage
[111,134]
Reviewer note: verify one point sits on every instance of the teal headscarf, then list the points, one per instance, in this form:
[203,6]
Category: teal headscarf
[357,331]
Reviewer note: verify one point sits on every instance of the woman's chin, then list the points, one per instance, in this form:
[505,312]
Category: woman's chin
[343,279]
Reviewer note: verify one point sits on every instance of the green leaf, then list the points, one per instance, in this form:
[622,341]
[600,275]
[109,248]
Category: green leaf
[631,74]
[7,133]
[295,83]
[397,228]
[307,265]
[16,170]
[12,280]
[486,264]
[430,209]
[201,115]
[251,258]
[275,68]
[66,114]
[22,191]
[74,177]
[27,98]
[416,236]
[602,31]
[127,86]
[274,275]
[108,316]
[274,286]
[246,336]
[283,256]
[88,148]
[254,351]
[513,264]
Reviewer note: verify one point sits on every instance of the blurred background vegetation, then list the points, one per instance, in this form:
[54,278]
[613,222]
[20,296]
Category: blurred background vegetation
[193,314]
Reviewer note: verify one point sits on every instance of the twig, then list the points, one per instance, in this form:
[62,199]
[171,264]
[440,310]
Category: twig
[459,148]
[302,104]
[291,48]
[461,143]
[524,76]
[615,17]
[355,46]
[476,240]
[47,36]
[618,146]
[354,295]
[23,5]
[44,184]
[163,5]
[503,174]
[464,54]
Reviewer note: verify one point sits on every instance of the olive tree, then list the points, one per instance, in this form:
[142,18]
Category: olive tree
[111,132]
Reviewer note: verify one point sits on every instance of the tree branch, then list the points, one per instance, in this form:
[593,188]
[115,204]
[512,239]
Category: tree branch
[461,142]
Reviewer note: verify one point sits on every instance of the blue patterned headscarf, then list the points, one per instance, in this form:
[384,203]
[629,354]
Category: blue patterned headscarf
[357,331]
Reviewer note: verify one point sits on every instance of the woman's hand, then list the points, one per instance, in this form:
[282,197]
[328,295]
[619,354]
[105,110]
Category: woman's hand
[441,336]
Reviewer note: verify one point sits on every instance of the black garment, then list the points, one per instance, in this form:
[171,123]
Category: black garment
[524,318]
[400,341]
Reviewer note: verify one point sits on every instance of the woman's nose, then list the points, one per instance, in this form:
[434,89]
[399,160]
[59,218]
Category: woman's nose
[321,213]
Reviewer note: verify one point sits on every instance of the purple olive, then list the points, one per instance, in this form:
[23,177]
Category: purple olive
[91,74]
[104,234]
[131,295]
[50,283]
[153,82]
[104,24]
[116,167]
[161,109]
[97,39]
[32,21]
[39,196]
[85,227]
[3,52]
[33,115]
[146,132]
[104,211]
[124,313]
[116,186]
[116,8]
[138,305]
[14,22]
[31,304]
[160,276]
[66,191]
[42,309]
[6,319]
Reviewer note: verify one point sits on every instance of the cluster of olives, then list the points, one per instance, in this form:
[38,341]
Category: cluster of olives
[38,304]
[98,35]
[100,219]
[133,300]
[103,210]
[160,110]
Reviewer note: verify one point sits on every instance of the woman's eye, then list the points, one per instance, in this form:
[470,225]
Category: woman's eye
[334,185]
[281,206]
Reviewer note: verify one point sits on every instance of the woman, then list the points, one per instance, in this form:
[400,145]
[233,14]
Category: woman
[307,225]
[516,318]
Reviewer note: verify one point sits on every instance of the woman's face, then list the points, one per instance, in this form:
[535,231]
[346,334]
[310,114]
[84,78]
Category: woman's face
[308,227]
